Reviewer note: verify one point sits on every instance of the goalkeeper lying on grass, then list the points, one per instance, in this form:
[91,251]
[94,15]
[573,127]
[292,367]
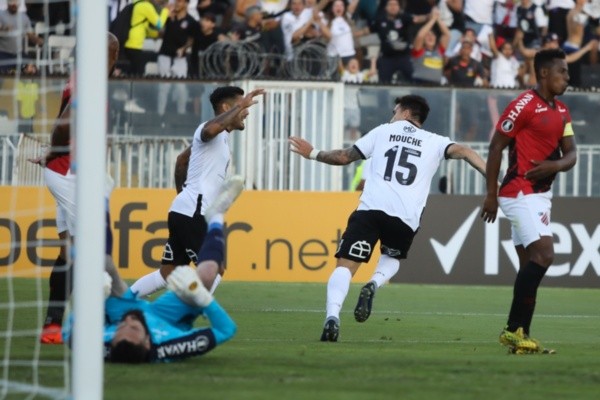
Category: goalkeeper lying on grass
[138,331]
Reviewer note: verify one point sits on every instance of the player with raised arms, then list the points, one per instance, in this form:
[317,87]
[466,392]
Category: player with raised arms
[404,158]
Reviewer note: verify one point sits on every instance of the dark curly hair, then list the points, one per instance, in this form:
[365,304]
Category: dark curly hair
[223,94]
[126,352]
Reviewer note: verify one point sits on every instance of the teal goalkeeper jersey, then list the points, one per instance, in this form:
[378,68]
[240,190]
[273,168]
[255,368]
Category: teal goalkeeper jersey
[170,322]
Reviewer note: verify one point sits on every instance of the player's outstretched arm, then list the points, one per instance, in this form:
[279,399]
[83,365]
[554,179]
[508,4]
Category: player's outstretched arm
[331,157]
[461,152]
[118,285]
[224,120]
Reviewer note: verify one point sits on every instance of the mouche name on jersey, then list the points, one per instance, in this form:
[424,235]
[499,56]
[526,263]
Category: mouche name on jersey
[405,139]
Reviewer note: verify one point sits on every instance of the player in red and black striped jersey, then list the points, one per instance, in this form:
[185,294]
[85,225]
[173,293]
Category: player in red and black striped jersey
[536,128]
[61,183]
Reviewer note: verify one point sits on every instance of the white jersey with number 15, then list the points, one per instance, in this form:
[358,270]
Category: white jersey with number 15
[404,160]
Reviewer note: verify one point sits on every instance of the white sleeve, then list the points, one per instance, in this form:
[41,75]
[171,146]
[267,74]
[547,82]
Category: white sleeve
[443,143]
[366,144]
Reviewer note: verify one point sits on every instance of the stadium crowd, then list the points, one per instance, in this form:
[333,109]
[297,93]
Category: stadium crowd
[457,42]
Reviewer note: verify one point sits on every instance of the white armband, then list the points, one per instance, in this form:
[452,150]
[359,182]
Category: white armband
[313,154]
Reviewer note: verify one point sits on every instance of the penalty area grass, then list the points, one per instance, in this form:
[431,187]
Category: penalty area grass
[421,342]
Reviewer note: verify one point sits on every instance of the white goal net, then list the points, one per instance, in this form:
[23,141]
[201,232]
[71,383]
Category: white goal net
[42,34]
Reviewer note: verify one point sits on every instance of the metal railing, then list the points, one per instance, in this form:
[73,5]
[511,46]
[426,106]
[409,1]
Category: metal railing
[137,162]
[582,180]
[312,110]
[133,162]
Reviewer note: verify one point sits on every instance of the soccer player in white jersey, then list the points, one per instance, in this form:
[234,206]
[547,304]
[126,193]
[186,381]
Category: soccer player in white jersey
[208,166]
[404,158]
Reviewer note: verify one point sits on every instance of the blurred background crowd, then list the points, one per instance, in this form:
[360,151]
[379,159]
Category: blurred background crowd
[489,43]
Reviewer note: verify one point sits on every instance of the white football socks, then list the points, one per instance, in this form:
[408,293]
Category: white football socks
[216,219]
[386,268]
[148,284]
[337,290]
[215,284]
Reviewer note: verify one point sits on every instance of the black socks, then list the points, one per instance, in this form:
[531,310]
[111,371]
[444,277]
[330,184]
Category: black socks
[60,289]
[524,295]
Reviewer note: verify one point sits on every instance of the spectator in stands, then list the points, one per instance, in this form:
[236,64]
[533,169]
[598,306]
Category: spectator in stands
[266,40]
[251,29]
[14,25]
[529,24]
[145,22]
[418,7]
[221,9]
[577,21]
[353,74]
[505,19]
[462,70]
[240,8]
[468,36]
[478,13]
[393,31]
[550,41]
[337,31]
[205,35]
[178,37]
[505,71]
[593,10]
[479,17]
[557,17]
[367,10]
[297,26]
[452,15]
[428,52]
[272,11]
[254,29]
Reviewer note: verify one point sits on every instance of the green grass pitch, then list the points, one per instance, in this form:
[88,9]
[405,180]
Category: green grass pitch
[421,342]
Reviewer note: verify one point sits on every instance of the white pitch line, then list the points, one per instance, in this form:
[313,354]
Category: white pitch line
[392,340]
[427,313]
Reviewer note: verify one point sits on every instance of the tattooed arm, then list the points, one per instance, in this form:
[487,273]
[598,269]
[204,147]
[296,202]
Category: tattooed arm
[331,157]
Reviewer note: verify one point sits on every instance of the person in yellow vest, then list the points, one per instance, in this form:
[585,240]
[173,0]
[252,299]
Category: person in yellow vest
[147,19]
[28,92]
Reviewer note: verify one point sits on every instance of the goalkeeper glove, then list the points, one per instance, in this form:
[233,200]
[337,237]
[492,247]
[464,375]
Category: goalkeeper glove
[186,284]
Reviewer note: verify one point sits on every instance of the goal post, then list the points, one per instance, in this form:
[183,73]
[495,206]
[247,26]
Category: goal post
[29,105]
[90,105]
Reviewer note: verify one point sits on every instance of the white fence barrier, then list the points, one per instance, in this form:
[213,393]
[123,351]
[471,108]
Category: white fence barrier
[137,162]
[311,110]
[583,180]
[133,162]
